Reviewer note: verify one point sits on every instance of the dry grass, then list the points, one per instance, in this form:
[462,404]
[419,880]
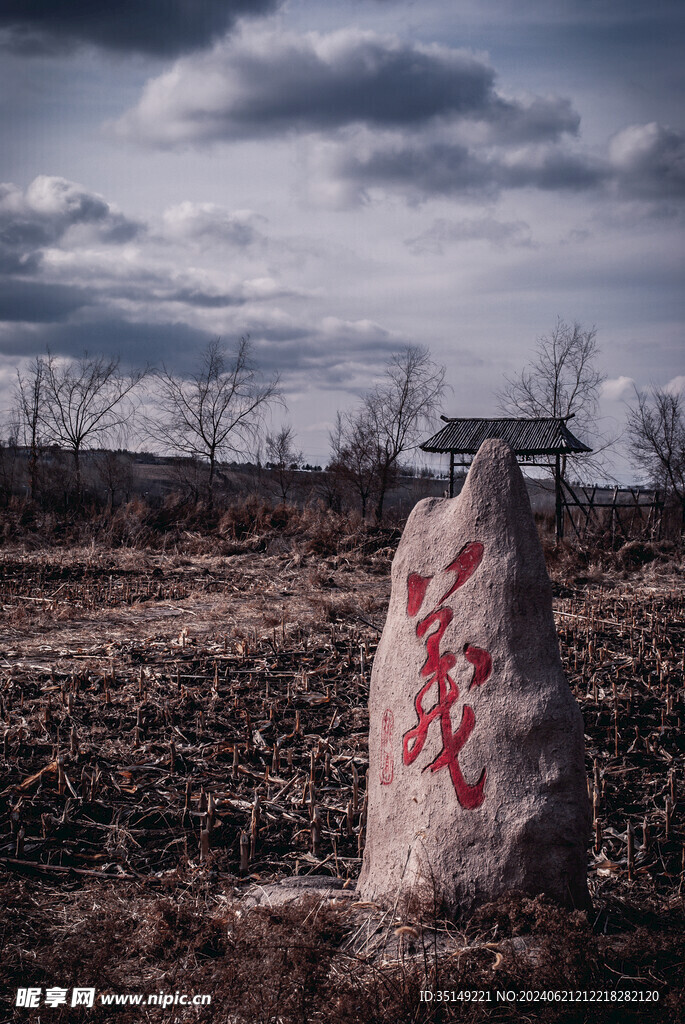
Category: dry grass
[184,528]
[313,961]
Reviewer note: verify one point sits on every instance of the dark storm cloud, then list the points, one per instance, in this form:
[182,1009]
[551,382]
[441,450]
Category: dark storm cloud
[356,78]
[644,162]
[424,120]
[434,168]
[203,299]
[649,161]
[12,262]
[552,169]
[540,119]
[261,85]
[58,267]
[34,302]
[136,343]
[118,230]
[332,355]
[421,169]
[162,28]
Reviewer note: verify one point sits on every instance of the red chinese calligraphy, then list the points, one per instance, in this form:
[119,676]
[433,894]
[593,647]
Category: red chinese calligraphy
[416,591]
[387,764]
[436,670]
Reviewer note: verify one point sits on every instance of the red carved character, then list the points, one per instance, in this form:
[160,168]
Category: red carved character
[436,669]
[416,591]
[387,760]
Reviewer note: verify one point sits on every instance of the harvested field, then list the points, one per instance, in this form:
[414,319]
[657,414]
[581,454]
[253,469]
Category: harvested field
[177,729]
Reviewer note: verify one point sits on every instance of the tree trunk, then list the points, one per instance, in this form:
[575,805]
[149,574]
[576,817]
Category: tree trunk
[283,484]
[77,472]
[33,472]
[210,481]
[383,486]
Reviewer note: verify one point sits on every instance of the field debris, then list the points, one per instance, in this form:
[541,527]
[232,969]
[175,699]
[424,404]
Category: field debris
[205,735]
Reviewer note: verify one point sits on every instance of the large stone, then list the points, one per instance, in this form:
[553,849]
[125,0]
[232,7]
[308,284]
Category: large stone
[477,781]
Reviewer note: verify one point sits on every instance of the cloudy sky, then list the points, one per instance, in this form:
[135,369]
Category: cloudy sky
[340,179]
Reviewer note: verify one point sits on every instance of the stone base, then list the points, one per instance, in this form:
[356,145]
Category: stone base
[292,890]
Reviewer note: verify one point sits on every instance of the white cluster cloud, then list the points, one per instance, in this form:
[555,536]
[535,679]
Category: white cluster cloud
[43,213]
[51,205]
[358,330]
[210,222]
[196,272]
[616,388]
[676,385]
[68,256]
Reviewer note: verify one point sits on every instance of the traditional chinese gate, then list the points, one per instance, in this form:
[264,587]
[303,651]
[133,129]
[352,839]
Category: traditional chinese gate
[534,442]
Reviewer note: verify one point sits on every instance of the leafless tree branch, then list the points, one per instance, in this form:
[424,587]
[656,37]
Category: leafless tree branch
[284,458]
[656,437]
[31,412]
[85,400]
[368,442]
[562,380]
[216,411]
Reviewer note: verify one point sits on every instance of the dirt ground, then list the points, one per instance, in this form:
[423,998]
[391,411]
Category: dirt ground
[179,731]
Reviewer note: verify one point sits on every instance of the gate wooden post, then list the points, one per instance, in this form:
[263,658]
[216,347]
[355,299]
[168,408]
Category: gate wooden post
[557,496]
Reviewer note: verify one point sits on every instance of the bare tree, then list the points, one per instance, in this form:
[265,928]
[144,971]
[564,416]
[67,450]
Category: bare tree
[353,454]
[114,470]
[656,437]
[8,462]
[283,459]
[85,400]
[217,410]
[399,408]
[30,405]
[562,380]
[368,442]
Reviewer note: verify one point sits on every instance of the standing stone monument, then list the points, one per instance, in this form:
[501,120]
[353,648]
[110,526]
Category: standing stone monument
[477,780]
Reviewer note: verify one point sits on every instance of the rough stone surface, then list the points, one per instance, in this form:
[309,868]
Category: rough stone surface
[477,781]
[293,890]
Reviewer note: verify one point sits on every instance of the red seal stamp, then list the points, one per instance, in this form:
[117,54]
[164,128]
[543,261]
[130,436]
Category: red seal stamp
[387,760]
